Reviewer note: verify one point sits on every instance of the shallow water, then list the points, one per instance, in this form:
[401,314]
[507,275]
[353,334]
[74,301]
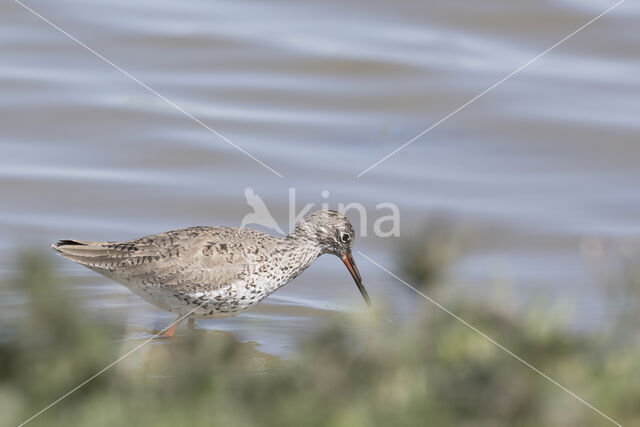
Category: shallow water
[319,91]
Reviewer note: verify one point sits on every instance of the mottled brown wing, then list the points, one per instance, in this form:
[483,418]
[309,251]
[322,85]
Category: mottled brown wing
[186,259]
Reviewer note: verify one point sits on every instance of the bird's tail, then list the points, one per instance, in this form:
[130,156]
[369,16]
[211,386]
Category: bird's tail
[83,252]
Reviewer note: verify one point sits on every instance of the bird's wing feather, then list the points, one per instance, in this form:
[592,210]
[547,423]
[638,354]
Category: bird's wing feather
[189,258]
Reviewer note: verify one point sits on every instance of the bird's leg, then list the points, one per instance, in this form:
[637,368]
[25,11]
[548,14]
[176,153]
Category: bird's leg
[191,323]
[172,329]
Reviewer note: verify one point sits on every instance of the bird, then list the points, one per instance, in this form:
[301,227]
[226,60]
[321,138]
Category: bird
[260,214]
[216,271]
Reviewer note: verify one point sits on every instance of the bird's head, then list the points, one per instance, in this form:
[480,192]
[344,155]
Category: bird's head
[334,234]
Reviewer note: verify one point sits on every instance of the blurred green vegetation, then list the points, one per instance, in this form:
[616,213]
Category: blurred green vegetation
[363,370]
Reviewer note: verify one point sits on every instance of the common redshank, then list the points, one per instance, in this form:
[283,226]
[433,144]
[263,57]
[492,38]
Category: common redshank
[215,272]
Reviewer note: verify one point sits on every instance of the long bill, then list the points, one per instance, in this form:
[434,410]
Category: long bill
[353,269]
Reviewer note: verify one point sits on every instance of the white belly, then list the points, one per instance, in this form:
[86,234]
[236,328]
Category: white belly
[218,303]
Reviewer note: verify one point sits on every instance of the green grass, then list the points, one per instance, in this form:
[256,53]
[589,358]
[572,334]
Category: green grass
[359,371]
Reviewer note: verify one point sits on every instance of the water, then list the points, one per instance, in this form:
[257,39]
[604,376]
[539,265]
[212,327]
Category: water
[319,91]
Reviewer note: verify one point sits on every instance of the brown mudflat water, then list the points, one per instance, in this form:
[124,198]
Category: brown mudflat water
[319,91]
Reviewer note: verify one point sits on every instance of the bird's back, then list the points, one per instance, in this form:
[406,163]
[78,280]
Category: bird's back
[183,259]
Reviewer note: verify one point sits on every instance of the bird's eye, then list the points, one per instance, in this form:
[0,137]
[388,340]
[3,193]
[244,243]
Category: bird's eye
[345,237]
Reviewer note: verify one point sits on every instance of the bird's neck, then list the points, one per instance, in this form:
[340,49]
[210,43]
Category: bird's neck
[298,253]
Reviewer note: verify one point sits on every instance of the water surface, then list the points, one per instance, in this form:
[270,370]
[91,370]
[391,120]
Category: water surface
[319,91]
